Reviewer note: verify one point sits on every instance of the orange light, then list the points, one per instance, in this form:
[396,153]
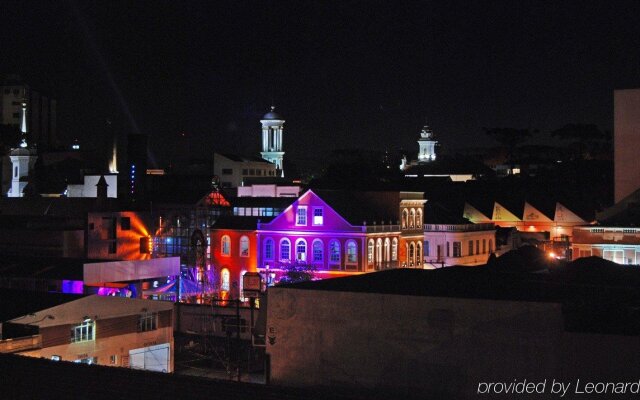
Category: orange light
[552,254]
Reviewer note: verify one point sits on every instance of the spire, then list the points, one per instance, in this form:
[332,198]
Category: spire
[23,125]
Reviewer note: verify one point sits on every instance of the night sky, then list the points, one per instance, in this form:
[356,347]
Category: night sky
[197,76]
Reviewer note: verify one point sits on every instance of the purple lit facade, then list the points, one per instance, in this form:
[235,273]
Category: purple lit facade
[311,232]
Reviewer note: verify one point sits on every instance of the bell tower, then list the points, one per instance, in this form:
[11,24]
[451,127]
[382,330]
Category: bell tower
[272,127]
[22,158]
[427,144]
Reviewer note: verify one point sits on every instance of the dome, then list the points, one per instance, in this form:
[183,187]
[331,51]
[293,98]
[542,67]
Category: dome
[271,114]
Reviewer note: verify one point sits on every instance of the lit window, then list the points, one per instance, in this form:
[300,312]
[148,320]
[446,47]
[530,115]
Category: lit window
[225,279]
[412,218]
[318,218]
[301,216]
[226,245]
[394,250]
[148,322]
[317,251]
[241,284]
[419,219]
[405,216]
[285,250]
[411,253]
[334,252]
[370,252]
[301,250]
[268,249]
[352,252]
[244,246]
[419,254]
[83,332]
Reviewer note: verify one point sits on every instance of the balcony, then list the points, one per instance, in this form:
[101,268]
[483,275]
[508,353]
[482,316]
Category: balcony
[380,228]
[459,228]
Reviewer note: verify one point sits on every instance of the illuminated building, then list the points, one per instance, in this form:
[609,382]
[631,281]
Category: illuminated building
[427,144]
[341,233]
[104,330]
[615,237]
[555,224]
[272,140]
[233,169]
[23,158]
[452,240]
[118,235]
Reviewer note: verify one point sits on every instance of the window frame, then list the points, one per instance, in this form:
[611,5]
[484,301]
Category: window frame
[269,241]
[244,239]
[313,221]
[348,256]
[299,214]
[148,321]
[301,241]
[313,251]
[288,242]
[85,332]
[225,252]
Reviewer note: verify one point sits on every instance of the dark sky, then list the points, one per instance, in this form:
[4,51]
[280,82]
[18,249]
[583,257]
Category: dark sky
[342,73]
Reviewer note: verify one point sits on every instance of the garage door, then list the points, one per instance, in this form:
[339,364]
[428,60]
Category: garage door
[152,358]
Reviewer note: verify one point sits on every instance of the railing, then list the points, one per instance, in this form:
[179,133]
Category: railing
[381,228]
[21,344]
[458,228]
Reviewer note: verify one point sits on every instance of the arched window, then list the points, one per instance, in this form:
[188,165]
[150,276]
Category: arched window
[301,250]
[412,218]
[226,245]
[352,252]
[318,255]
[285,250]
[370,252]
[412,253]
[490,245]
[419,254]
[378,251]
[334,252]
[394,249]
[405,216]
[244,246]
[426,248]
[268,249]
[241,285]
[225,280]
[419,218]
[387,250]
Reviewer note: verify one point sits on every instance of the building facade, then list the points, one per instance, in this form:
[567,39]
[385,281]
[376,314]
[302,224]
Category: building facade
[112,331]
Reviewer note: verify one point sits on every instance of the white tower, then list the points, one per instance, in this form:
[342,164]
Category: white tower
[22,159]
[427,145]
[272,139]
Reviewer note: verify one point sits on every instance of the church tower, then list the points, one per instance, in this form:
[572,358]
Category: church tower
[427,144]
[272,126]
[22,158]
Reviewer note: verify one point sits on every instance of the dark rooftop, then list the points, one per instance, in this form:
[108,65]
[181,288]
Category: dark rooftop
[34,378]
[596,295]
[360,206]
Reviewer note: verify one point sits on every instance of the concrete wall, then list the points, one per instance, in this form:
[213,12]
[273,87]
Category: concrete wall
[420,347]
[626,134]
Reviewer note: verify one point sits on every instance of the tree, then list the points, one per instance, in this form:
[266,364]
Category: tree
[511,138]
[296,273]
[585,138]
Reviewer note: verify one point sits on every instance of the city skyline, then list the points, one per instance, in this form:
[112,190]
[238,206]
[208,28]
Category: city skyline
[197,78]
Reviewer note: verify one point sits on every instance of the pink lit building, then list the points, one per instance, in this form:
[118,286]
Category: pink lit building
[343,233]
